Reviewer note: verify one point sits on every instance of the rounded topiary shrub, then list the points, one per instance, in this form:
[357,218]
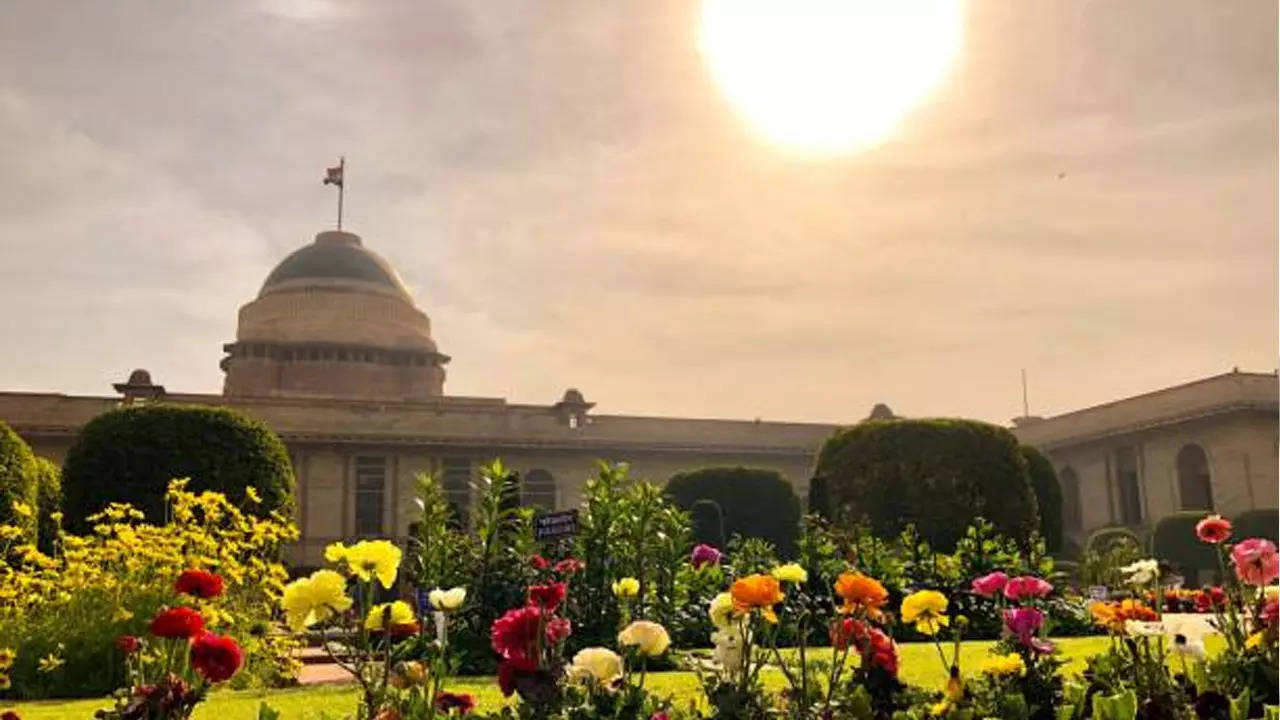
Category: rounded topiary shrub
[936,474]
[1255,523]
[1174,541]
[131,454]
[1044,483]
[1104,539]
[707,522]
[755,502]
[18,482]
[48,502]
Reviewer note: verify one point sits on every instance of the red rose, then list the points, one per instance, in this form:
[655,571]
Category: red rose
[547,596]
[199,583]
[447,701]
[128,644]
[1213,529]
[216,657]
[179,622]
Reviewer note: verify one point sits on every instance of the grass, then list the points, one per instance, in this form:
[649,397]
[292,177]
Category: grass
[920,665]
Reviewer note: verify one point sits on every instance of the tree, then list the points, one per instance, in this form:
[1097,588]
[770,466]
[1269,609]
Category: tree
[130,455]
[708,523]
[754,502]
[939,475]
[18,482]
[1044,483]
[48,502]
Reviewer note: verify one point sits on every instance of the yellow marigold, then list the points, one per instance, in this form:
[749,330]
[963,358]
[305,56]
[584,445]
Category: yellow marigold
[389,615]
[927,609]
[650,638]
[626,587]
[1011,664]
[791,572]
[314,599]
[859,591]
[757,592]
[369,559]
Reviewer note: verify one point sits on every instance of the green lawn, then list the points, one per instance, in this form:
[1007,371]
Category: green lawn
[920,666]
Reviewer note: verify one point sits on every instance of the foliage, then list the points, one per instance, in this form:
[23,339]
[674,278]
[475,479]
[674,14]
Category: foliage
[18,483]
[48,503]
[708,522]
[129,455]
[1106,552]
[1262,522]
[1044,483]
[935,474]
[755,502]
[71,606]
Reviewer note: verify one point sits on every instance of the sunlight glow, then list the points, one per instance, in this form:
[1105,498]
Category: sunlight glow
[829,76]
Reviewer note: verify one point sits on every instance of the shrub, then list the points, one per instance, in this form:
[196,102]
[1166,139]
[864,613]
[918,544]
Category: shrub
[1106,538]
[130,455]
[1044,483]
[1105,552]
[939,475]
[1256,523]
[18,482]
[708,523]
[48,503]
[755,502]
[1174,540]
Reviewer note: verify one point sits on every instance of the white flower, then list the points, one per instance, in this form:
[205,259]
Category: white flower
[1143,628]
[728,648]
[600,664]
[447,600]
[650,638]
[1142,572]
[1186,634]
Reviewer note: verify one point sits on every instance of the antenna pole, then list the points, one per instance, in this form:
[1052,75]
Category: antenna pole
[1026,412]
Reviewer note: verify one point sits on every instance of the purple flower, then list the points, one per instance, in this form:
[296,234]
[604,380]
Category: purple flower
[1023,623]
[1027,586]
[988,585]
[704,555]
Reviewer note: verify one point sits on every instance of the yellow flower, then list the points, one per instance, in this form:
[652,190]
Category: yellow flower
[447,600]
[927,609]
[650,638]
[599,664]
[940,708]
[1011,664]
[252,495]
[389,615]
[335,552]
[369,559]
[1254,640]
[121,615]
[5,682]
[50,662]
[7,656]
[791,572]
[627,587]
[314,599]
[722,612]
[22,509]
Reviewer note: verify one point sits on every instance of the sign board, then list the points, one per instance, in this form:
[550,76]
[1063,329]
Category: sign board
[551,526]
[1098,592]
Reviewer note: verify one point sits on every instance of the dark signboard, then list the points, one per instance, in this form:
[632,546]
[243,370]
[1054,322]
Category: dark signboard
[550,526]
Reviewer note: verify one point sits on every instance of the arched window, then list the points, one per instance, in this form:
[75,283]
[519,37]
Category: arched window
[1194,488]
[538,490]
[1130,489]
[1072,517]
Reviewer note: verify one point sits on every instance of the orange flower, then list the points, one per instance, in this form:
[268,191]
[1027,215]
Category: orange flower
[757,591]
[1113,615]
[858,590]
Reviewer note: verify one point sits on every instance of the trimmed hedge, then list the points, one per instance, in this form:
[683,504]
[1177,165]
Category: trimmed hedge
[1044,483]
[48,502]
[17,481]
[1174,540]
[1256,523]
[939,475]
[754,502]
[130,455]
[707,520]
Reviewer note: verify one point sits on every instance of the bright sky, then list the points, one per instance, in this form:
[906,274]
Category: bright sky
[575,202]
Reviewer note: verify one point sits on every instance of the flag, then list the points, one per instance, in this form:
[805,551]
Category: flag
[333,176]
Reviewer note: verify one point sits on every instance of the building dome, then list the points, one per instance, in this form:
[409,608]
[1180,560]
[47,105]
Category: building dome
[333,319]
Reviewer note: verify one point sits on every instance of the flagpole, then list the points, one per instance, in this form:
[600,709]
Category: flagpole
[342,187]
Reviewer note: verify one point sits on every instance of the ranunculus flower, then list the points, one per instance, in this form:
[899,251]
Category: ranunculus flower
[600,664]
[316,598]
[537,562]
[859,591]
[757,592]
[216,657]
[848,631]
[447,702]
[507,673]
[1027,586]
[548,596]
[1142,572]
[1256,561]
[388,616]
[447,600]
[791,572]
[569,566]
[1210,599]
[988,585]
[704,555]
[1011,664]
[884,652]
[1270,612]
[650,638]
[178,622]
[199,583]
[721,610]
[514,636]
[370,559]
[1213,529]
[927,609]
[128,644]
[626,587]
[1023,623]
[558,629]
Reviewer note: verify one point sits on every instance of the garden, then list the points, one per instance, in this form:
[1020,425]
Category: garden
[660,605]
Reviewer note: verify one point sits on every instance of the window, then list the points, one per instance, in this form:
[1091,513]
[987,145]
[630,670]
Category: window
[538,490]
[1195,491]
[371,485]
[1128,485]
[457,486]
[1071,512]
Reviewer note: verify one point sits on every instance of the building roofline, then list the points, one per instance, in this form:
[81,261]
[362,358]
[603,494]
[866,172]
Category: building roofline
[1152,393]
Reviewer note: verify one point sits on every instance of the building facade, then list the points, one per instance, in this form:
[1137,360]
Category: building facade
[336,357]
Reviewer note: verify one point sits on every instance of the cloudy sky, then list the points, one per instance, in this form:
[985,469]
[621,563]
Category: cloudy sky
[574,202]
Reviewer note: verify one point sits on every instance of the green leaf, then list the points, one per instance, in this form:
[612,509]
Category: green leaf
[1271,712]
[1065,712]
[1121,706]
[266,712]
[860,704]
[1013,706]
[1240,705]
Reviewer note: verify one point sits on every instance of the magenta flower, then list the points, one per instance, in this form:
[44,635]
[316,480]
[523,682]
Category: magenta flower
[988,585]
[704,555]
[1027,586]
[1024,623]
[1256,561]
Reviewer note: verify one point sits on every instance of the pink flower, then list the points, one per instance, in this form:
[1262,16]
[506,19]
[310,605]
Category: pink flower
[704,555]
[1270,612]
[1213,529]
[988,585]
[558,629]
[1027,586]
[1256,561]
[660,715]
[1023,623]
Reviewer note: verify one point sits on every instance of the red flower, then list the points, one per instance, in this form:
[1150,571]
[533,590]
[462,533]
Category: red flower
[1210,599]
[399,632]
[539,563]
[848,632]
[507,678]
[128,644]
[547,596]
[660,715]
[569,566]
[216,657]
[1270,612]
[10,715]
[557,630]
[1213,529]
[884,653]
[199,583]
[179,622]
[514,636]
[447,701]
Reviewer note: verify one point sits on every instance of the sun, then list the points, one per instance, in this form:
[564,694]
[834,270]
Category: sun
[829,76]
